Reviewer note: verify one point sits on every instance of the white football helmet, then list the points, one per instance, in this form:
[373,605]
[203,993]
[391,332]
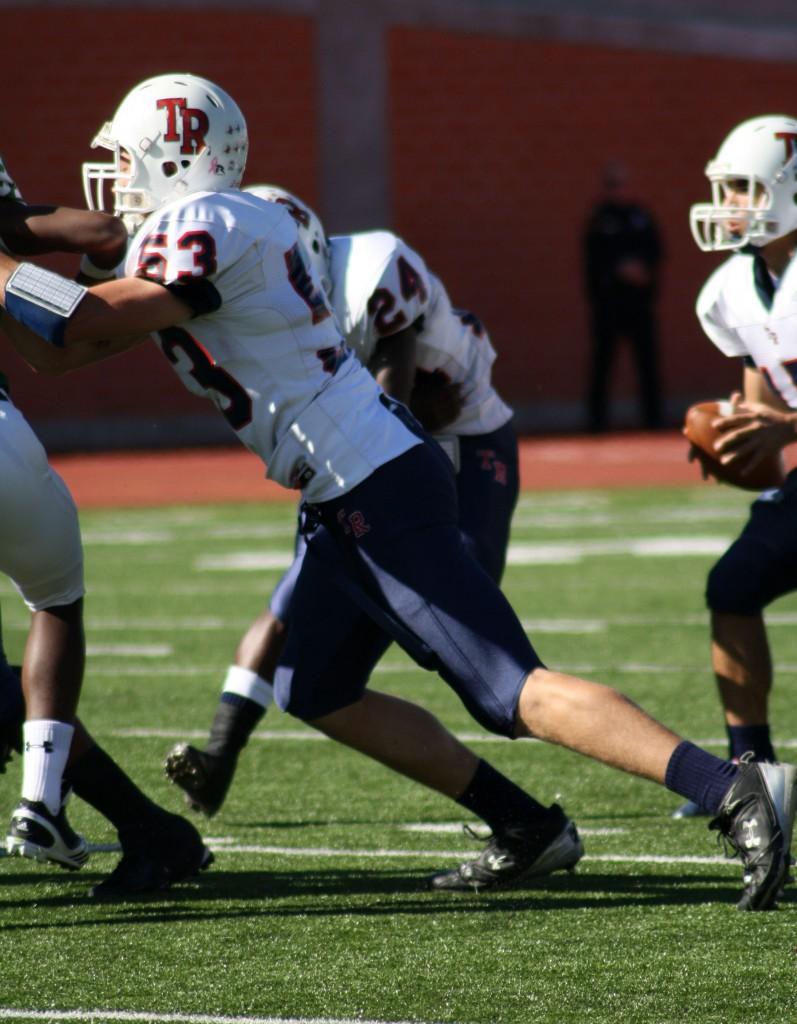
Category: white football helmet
[759,160]
[180,133]
[311,230]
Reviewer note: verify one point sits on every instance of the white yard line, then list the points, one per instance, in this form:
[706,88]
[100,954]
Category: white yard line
[228,845]
[310,736]
[328,851]
[100,1016]
[519,553]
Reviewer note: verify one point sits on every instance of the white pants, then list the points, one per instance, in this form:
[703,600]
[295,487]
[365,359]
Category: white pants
[40,546]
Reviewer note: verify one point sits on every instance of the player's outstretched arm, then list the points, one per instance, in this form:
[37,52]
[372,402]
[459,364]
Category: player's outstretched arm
[31,230]
[57,325]
[34,230]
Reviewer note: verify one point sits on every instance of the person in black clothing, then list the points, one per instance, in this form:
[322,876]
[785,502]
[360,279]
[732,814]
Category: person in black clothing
[622,257]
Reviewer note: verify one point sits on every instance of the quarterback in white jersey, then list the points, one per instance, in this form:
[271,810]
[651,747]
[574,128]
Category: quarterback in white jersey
[748,308]
[392,542]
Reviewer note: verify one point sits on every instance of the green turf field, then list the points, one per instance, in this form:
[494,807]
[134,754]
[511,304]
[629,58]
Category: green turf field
[316,908]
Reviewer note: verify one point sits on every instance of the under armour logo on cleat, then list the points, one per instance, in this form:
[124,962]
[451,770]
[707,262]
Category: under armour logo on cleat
[751,838]
[47,746]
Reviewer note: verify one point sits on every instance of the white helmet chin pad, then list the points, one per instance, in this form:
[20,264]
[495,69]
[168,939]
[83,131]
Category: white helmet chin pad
[757,161]
[172,135]
[311,230]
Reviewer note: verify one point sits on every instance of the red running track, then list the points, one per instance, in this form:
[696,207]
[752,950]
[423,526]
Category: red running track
[111,479]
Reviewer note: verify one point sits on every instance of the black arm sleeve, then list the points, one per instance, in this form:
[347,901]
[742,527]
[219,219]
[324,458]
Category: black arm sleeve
[198,293]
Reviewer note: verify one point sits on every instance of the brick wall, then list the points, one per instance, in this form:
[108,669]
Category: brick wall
[495,149]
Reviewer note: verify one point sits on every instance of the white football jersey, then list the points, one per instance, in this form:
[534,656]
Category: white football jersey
[380,286]
[735,317]
[263,345]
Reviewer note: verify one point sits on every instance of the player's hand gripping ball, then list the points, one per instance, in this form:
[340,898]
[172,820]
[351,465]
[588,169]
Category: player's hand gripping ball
[701,433]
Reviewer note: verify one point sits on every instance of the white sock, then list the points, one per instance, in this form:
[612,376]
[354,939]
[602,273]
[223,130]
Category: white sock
[46,744]
[245,683]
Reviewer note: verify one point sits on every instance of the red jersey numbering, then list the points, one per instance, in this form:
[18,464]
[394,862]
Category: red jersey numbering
[233,402]
[153,262]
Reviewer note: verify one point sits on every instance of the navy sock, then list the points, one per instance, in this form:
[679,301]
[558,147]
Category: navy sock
[756,738]
[699,776]
[498,801]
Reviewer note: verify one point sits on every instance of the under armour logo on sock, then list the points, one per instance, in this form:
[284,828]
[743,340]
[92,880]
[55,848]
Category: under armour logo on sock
[47,746]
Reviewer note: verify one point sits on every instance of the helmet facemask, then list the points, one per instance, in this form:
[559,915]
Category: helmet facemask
[722,225]
[108,186]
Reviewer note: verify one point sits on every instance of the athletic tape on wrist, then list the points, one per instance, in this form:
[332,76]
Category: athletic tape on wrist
[42,301]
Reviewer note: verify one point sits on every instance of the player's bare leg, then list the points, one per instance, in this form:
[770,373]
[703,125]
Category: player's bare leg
[403,737]
[742,664]
[742,667]
[54,662]
[261,645]
[594,720]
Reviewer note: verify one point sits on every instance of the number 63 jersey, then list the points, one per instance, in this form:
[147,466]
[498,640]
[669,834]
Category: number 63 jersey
[744,314]
[262,344]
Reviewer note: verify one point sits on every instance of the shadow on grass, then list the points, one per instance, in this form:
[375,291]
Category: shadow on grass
[327,893]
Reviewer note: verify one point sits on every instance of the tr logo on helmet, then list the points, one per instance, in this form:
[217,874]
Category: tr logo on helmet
[171,136]
[789,139]
[194,124]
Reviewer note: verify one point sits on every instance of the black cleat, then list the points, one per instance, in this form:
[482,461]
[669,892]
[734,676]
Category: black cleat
[756,818]
[155,854]
[37,833]
[518,853]
[204,778]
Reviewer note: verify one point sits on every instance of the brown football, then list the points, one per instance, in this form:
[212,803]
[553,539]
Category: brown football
[699,431]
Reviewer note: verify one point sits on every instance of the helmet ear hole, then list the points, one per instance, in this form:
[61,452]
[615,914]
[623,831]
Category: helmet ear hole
[169,168]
